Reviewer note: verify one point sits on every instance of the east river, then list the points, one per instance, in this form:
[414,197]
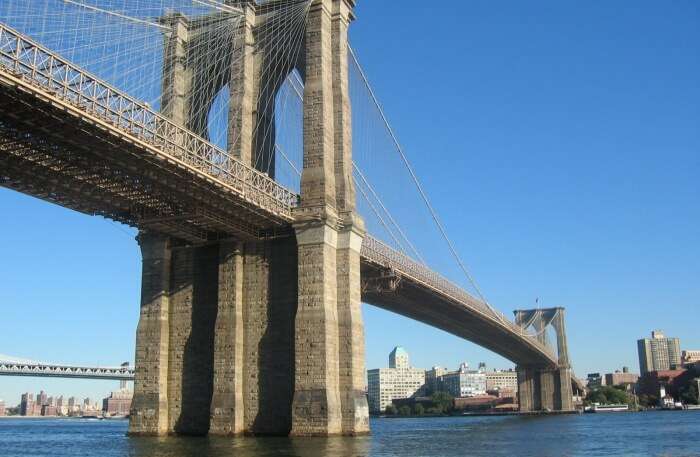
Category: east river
[612,434]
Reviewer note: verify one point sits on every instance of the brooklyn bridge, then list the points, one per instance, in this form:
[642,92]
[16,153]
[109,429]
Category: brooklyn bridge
[226,132]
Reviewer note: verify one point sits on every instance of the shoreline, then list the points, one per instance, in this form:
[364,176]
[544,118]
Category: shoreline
[530,414]
[63,418]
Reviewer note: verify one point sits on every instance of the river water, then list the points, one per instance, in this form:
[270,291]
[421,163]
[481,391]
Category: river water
[613,434]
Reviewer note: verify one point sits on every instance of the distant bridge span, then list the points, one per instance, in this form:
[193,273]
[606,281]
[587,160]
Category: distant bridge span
[17,367]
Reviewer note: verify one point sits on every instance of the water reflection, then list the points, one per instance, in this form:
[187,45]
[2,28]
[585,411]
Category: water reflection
[244,447]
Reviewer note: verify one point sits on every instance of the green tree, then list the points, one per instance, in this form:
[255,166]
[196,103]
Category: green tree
[405,410]
[390,410]
[418,409]
[648,401]
[689,395]
[607,395]
[442,401]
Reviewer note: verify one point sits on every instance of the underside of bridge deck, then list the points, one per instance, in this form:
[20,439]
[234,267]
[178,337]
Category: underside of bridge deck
[49,154]
[416,301]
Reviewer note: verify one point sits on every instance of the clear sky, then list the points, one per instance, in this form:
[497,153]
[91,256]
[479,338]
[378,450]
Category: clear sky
[560,141]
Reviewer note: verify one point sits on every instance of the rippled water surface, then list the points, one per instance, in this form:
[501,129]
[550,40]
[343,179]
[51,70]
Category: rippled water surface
[624,434]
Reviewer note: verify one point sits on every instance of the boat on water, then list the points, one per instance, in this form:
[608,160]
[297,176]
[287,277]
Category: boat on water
[614,408]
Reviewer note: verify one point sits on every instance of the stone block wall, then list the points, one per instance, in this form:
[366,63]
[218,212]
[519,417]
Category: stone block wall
[215,342]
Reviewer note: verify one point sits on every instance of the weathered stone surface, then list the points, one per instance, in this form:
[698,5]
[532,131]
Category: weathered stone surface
[270,296]
[194,296]
[265,337]
[316,407]
[564,398]
[227,398]
[547,389]
[149,411]
[351,349]
[526,389]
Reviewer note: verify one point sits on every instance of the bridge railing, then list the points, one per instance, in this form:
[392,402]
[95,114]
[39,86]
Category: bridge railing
[383,254]
[378,252]
[32,62]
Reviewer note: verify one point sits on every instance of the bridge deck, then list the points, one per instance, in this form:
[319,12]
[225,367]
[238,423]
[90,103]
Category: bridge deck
[397,283]
[75,132]
[69,138]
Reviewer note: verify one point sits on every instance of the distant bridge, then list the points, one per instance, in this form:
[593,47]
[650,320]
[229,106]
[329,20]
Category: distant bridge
[19,367]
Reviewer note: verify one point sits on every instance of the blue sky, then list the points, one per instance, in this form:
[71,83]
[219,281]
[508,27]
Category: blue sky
[560,144]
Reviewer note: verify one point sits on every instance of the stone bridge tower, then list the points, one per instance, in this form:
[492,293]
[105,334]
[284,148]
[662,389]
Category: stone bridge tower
[259,336]
[545,388]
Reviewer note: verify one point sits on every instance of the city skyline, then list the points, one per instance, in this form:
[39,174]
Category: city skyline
[547,214]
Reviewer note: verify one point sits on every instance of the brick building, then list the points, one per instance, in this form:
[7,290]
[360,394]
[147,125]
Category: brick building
[621,378]
[118,403]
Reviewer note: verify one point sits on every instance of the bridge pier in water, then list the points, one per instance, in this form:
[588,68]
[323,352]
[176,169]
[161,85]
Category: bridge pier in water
[261,337]
[544,388]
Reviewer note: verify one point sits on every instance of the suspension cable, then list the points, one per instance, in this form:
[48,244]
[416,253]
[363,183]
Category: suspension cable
[424,196]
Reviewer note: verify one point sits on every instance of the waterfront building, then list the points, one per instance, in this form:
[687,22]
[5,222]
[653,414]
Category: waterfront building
[118,403]
[26,405]
[621,378]
[2,407]
[400,380]
[651,383]
[476,402]
[595,380]
[48,410]
[398,358]
[42,398]
[464,382]
[690,357]
[61,406]
[73,406]
[658,353]
[502,380]
[433,377]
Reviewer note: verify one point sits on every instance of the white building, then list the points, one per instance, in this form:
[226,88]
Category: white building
[500,380]
[433,379]
[397,381]
[464,382]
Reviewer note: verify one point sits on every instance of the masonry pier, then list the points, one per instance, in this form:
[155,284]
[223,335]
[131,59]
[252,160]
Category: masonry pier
[260,336]
[545,388]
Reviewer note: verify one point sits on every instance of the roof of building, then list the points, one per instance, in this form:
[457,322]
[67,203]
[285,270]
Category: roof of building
[398,350]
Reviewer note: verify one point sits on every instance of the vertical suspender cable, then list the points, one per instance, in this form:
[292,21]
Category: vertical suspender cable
[424,196]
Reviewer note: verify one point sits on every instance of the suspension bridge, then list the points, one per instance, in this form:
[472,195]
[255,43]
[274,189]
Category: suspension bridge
[236,137]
